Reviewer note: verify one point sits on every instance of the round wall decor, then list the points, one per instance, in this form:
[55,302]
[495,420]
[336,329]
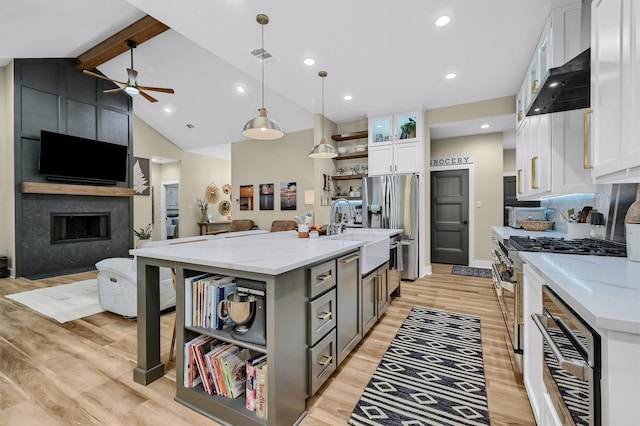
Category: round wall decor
[224,207]
[226,189]
[212,193]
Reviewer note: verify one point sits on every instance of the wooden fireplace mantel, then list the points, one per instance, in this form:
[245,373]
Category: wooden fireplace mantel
[68,189]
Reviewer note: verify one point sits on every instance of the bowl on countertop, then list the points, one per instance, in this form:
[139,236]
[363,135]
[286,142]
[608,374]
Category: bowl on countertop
[536,225]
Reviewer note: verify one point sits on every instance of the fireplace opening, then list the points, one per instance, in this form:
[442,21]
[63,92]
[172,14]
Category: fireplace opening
[76,227]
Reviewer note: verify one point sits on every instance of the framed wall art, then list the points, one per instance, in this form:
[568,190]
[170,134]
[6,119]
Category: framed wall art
[266,196]
[246,197]
[288,196]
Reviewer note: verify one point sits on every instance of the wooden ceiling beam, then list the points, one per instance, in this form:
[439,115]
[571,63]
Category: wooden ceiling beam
[140,31]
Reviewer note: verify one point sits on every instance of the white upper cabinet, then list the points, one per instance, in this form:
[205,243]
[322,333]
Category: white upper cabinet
[614,127]
[395,144]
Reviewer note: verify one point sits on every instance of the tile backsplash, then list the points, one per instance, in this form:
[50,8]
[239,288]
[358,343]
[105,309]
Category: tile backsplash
[599,201]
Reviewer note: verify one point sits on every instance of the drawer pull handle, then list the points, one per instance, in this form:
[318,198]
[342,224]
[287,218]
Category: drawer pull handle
[323,316]
[350,258]
[326,361]
[324,277]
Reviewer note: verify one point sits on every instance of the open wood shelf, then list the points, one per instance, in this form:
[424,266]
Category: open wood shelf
[350,155]
[349,177]
[67,189]
[350,136]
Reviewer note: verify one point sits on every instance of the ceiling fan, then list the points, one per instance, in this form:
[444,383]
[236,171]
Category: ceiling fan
[131,86]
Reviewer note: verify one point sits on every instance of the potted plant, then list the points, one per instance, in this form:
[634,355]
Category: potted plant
[143,235]
[408,129]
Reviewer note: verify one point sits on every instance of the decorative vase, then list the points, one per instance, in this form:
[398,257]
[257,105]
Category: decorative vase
[204,217]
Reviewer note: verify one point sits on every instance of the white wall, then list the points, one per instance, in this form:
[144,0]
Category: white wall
[7,183]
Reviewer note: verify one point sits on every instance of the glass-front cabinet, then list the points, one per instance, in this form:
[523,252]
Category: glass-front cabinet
[380,131]
[387,129]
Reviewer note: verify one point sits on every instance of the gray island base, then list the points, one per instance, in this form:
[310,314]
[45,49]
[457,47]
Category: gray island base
[284,264]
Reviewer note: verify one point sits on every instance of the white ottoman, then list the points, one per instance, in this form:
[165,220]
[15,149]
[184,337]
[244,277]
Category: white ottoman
[117,288]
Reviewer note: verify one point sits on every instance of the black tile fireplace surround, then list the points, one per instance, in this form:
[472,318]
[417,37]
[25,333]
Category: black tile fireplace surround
[43,257]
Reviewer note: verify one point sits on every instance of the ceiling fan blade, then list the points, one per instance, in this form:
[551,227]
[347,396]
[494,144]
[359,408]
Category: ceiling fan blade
[118,90]
[93,74]
[156,89]
[147,97]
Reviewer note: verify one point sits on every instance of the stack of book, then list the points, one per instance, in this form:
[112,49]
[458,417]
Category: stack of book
[205,293]
[218,366]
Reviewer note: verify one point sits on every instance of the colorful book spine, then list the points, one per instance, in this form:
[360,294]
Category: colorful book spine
[251,384]
[261,391]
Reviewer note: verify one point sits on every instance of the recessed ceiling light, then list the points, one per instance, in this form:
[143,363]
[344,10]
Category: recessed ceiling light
[347,97]
[485,126]
[309,61]
[450,76]
[168,110]
[442,21]
[240,89]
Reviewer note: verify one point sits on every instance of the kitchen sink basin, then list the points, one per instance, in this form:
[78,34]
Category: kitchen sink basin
[375,251]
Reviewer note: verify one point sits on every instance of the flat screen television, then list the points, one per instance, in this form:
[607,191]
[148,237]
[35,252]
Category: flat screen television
[76,159]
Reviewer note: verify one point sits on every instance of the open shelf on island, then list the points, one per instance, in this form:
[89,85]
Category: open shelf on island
[225,336]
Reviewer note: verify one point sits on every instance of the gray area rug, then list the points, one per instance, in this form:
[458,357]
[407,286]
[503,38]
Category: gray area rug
[471,272]
[432,373]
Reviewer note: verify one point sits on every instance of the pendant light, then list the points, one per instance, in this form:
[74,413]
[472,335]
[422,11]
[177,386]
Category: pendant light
[323,150]
[262,127]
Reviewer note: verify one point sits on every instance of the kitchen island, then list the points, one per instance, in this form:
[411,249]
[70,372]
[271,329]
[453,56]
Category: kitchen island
[286,265]
[604,292]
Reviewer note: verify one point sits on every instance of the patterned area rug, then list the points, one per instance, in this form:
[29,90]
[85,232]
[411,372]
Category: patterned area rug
[65,302]
[432,373]
[471,272]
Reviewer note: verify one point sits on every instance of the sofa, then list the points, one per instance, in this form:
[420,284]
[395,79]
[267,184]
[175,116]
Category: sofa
[117,287]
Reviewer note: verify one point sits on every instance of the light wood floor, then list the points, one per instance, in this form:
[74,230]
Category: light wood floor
[81,372]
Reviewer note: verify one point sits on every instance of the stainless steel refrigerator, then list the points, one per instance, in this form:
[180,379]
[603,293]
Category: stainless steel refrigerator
[392,202]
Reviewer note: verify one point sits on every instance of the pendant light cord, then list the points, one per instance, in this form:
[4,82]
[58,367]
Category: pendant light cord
[262,63]
[322,109]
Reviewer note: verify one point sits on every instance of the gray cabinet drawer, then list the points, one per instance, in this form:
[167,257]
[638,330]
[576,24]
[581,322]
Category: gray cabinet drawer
[322,316]
[321,278]
[322,362]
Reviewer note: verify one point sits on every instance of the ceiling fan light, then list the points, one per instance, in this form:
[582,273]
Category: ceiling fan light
[262,128]
[132,90]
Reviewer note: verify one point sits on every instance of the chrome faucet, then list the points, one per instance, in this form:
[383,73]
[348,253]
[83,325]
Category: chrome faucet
[334,205]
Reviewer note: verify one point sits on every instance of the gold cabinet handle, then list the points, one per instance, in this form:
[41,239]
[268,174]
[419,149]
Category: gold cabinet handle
[324,277]
[586,164]
[534,160]
[519,179]
[349,259]
[327,359]
[519,115]
[323,316]
[534,86]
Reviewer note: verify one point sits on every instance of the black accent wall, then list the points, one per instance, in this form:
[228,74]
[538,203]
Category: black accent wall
[52,94]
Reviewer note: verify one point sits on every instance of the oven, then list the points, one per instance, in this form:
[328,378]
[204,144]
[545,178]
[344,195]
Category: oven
[571,361]
[506,271]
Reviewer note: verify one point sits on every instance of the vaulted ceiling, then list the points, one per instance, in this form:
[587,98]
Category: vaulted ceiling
[388,55]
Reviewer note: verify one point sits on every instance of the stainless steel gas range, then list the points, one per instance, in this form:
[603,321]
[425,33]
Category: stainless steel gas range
[507,276]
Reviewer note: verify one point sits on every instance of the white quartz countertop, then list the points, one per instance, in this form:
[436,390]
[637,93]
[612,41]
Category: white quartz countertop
[506,232]
[270,253]
[605,291]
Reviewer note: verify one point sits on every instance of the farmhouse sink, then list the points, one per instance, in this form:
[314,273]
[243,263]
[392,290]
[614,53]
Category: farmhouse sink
[375,251]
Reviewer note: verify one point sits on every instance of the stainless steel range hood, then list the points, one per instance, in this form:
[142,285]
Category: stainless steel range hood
[565,88]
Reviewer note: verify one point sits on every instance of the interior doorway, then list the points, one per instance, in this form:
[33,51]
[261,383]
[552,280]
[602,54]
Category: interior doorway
[170,210]
[450,217]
